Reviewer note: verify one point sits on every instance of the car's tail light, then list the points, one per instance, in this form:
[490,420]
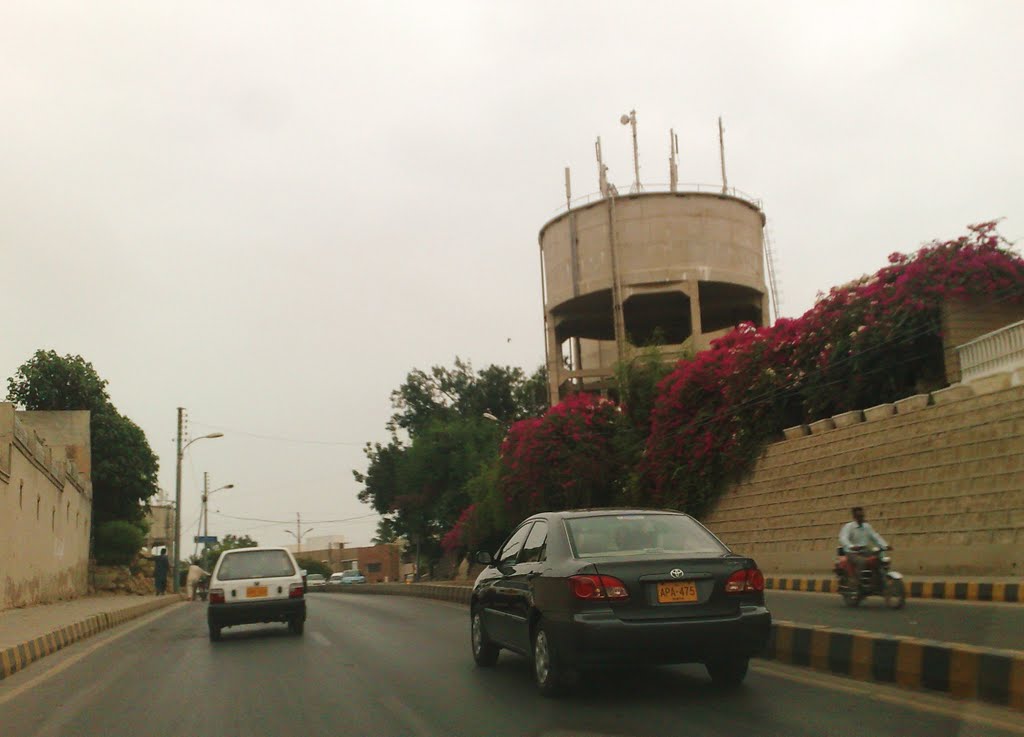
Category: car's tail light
[296,590]
[745,580]
[598,587]
[216,596]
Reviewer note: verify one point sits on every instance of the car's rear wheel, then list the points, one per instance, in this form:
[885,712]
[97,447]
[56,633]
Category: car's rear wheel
[214,633]
[296,625]
[728,671]
[485,652]
[548,670]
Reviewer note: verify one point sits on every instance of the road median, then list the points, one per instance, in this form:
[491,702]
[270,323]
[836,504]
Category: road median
[960,671]
[932,588]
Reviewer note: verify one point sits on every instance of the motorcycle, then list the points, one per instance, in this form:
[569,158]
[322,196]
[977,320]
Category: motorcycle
[876,579]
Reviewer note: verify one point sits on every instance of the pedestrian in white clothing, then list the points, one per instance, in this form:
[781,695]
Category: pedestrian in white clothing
[195,574]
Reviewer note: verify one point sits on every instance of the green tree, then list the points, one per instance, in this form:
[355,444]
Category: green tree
[444,394]
[386,532]
[124,467]
[420,480]
[208,558]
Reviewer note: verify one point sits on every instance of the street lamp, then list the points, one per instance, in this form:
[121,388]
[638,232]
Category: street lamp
[206,507]
[298,537]
[177,493]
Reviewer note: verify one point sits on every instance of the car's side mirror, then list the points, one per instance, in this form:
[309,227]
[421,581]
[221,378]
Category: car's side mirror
[484,557]
[303,572]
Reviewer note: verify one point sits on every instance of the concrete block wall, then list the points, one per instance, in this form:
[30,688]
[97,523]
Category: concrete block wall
[944,485]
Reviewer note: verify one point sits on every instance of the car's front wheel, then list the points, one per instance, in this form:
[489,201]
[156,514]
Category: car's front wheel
[485,652]
[728,671]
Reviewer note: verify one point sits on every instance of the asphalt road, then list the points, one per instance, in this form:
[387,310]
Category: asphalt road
[984,624]
[381,666]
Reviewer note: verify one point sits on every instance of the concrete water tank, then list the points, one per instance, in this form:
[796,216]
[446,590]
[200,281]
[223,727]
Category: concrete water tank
[673,268]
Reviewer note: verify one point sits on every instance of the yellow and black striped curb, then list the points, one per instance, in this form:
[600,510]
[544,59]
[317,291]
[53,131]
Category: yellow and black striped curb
[19,657]
[952,589]
[961,671]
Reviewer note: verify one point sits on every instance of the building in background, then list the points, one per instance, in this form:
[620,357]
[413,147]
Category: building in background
[161,523]
[378,563]
[45,505]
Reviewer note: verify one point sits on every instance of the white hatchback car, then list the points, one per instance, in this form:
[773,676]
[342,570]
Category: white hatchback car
[252,585]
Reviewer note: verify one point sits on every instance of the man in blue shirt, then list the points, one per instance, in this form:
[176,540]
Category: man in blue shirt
[855,537]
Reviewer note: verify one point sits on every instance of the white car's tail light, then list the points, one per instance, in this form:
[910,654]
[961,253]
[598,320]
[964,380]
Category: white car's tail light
[296,591]
[216,596]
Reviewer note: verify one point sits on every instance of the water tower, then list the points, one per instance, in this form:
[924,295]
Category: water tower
[673,265]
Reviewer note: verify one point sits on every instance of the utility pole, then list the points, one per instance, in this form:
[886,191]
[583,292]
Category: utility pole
[177,504]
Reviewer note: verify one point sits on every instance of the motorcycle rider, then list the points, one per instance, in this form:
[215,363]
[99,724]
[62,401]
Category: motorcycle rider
[854,537]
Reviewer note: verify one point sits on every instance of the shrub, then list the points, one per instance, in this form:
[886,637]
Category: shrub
[117,542]
[874,340]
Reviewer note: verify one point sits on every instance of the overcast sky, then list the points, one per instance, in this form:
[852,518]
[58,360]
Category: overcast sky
[269,213]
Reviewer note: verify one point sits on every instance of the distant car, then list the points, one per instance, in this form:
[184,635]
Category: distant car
[617,586]
[253,585]
[316,581]
[348,577]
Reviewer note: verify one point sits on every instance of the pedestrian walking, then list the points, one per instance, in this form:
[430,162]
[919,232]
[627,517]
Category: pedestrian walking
[160,568]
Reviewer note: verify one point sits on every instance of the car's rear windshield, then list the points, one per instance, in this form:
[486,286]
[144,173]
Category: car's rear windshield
[613,535]
[255,564]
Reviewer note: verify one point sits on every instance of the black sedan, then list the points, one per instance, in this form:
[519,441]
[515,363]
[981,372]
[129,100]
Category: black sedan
[618,586]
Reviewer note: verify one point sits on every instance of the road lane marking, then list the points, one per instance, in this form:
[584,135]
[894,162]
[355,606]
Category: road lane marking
[319,639]
[17,690]
[965,711]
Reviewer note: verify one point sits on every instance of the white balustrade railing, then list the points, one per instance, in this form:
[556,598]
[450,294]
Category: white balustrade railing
[992,353]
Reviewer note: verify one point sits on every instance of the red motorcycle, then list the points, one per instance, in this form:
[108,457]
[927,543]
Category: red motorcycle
[876,579]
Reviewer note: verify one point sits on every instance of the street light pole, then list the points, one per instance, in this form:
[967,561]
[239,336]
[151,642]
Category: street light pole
[177,492]
[177,504]
[206,504]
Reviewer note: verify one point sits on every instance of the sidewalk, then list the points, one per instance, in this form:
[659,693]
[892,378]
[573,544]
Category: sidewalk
[961,588]
[31,633]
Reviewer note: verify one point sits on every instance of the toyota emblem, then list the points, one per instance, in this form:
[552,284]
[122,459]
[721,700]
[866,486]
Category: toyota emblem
[676,573]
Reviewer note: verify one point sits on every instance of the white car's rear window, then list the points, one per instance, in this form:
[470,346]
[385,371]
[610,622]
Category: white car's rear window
[256,564]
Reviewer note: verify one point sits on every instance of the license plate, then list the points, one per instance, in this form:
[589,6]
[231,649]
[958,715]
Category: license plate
[254,592]
[677,592]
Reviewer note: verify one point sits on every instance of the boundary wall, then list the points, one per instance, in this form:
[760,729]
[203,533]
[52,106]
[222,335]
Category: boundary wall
[941,477]
[45,506]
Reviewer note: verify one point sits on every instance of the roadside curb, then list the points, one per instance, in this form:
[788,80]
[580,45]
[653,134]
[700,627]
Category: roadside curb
[951,589]
[960,671]
[19,657]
